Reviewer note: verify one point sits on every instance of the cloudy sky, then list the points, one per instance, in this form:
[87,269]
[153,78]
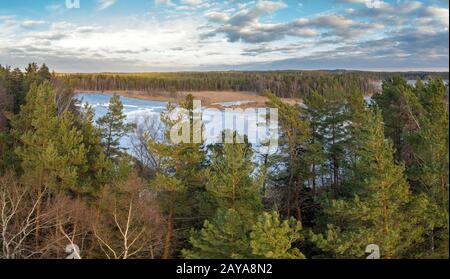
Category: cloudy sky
[178,35]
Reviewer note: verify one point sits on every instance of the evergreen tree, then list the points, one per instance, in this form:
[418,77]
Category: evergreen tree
[430,143]
[179,178]
[17,89]
[31,76]
[399,106]
[378,213]
[272,238]
[51,150]
[295,133]
[428,168]
[416,118]
[98,168]
[224,237]
[228,236]
[230,180]
[315,156]
[44,73]
[334,130]
[114,127]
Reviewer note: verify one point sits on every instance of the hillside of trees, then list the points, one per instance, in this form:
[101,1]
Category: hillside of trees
[346,174]
[285,84]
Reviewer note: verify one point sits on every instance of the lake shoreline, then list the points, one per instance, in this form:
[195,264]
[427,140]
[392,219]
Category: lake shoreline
[209,99]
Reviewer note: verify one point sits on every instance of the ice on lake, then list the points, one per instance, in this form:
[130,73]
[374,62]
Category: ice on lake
[251,121]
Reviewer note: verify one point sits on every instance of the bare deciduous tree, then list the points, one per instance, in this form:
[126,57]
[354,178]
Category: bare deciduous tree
[62,221]
[18,220]
[149,128]
[64,95]
[128,223]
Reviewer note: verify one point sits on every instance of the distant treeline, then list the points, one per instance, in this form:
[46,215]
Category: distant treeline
[288,84]
[413,75]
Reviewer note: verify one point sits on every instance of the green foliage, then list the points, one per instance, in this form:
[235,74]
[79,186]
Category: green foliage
[114,127]
[98,168]
[285,84]
[228,236]
[12,81]
[13,88]
[35,75]
[59,148]
[230,180]
[378,212]
[334,132]
[295,132]
[225,237]
[399,107]
[51,150]
[428,168]
[416,118]
[44,73]
[179,179]
[315,155]
[272,238]
[180,164]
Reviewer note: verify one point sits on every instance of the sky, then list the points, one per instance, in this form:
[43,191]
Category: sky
[201,35]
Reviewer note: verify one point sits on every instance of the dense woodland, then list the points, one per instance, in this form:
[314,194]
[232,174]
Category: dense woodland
[286,84]
[346,173]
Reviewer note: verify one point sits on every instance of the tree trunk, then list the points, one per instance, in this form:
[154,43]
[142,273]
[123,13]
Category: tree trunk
[168,238]
[38,218]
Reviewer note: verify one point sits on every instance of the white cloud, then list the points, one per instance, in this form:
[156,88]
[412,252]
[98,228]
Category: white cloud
[217,16]
[371,4]
[31,23]
[192,2]
[269,6]
[104,4]
[164,2]
[437,14]
[53,7]
[220,35]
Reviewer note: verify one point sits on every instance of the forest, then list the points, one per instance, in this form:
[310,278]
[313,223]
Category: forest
[285,84]
[347,173]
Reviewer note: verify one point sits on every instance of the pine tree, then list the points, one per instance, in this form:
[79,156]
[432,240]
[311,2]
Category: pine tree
[378,213]
[334,130]
[44,73]
[429,164]
[224,237]
[51,149]
[98,168]
[416,118]
[31,76]
[230,180]
[272,238]
[228,236]
[294,136]
[114,127]
[17,89]
[398,108]
[315,156]
[430,143]
[179,178]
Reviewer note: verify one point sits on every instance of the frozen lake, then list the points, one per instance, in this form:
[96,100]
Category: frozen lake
[251,122]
